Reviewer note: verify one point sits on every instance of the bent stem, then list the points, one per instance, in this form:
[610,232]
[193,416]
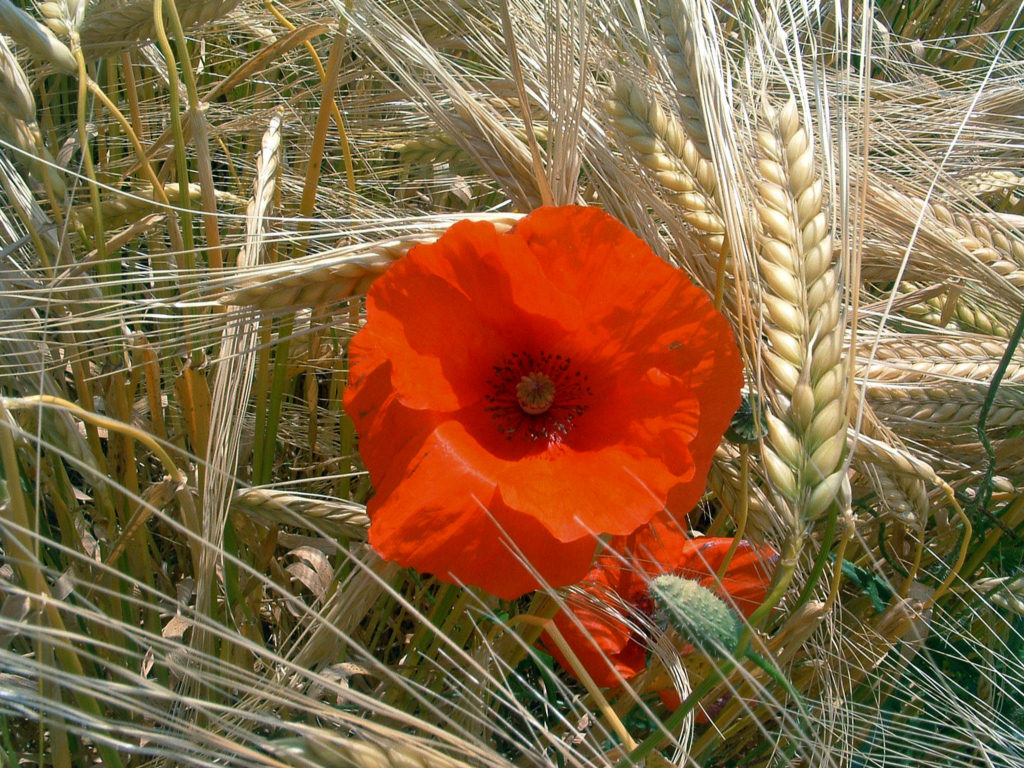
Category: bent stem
[673,721]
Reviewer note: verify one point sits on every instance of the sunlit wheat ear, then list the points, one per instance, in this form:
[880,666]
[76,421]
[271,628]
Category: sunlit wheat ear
[807,419]
[903,494]
[29,150]
[956,311]
[1006,592]
[960,354]
[789,641]
[933,390]
[20,351]
[439,148]
[35,38]
[944,401]
[18,127]
[335,518]
[672,158]
[232,385]
[64,17]
[334,275]
[1001,253]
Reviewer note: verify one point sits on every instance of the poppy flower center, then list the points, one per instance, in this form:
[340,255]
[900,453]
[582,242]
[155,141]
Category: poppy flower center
[535,393]
[539,396]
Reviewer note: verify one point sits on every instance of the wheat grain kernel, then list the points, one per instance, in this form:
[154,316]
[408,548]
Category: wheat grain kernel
[825,317]
[823,291]
[801,406]
[775,196]
[783,440]
[777,224]
[809,203]
[784,314]
[818,260]
[827,422]
[833,489]
[813,232]
[779,474]
[694,202]
[781,281]
[703,221]
[785,373]
[827,455]
[829,386]
[771,171]
[785,345]
[779,253]
[825,356]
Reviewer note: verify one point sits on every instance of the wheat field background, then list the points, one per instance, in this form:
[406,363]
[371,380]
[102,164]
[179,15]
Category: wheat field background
[196,195]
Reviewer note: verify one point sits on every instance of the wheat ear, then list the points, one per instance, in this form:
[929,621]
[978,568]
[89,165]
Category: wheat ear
[966,313]
[108,24]
[325,748]
[679,44]
[807,421]
[673,159]
[727,483]
[990,186]
[128,207]
[264,185]
[335,518]
[39,41]
[904,495]
[28,142]
[952,351]
[334,275]
[944,383]
[1006,592]
[15,93]
[954,403]
[430,149]
[1004,255]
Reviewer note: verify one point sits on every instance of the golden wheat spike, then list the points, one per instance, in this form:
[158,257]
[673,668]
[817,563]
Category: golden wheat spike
[807,425]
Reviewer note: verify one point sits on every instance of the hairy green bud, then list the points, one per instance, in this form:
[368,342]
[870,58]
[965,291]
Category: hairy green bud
[697,613]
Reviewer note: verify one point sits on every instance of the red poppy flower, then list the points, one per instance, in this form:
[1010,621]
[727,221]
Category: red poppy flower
[608,641]
[517,394]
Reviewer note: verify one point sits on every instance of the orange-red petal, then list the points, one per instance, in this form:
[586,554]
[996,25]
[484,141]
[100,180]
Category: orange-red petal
[600,636]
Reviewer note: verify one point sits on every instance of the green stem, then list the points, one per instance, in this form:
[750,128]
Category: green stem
[819,562]
[675,720]
[180,161]
[985,489]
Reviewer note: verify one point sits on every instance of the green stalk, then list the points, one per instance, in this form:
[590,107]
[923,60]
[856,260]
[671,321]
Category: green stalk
[198,121]
[675,720]
[316,154]
[187,258]
[107,269]
[20,547]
